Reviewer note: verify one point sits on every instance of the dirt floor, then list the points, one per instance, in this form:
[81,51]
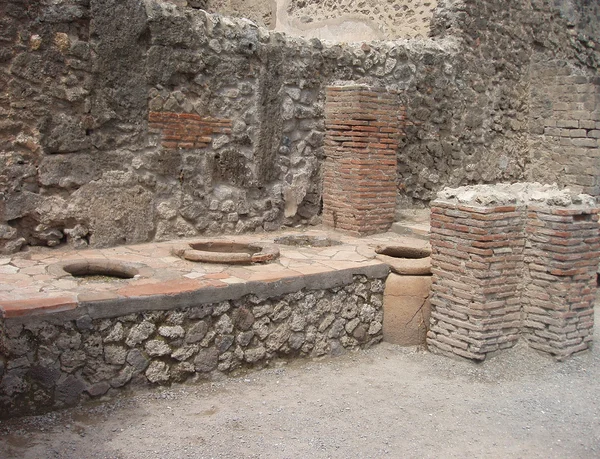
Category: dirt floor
[384,402]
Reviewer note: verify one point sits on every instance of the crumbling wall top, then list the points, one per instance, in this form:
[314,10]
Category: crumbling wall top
[515,194]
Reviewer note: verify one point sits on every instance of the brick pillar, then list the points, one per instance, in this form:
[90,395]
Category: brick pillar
[363,127]
[562,260]
[477,264]
[509,261]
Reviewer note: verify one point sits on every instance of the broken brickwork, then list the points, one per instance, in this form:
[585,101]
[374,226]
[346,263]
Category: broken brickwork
[562,260]
[187,131]
[512,261]
[363,126]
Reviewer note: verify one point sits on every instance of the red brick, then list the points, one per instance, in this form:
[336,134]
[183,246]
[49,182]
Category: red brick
[36,306]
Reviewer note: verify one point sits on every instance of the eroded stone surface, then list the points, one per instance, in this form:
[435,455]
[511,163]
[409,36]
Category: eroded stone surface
[504,258]
[88,159]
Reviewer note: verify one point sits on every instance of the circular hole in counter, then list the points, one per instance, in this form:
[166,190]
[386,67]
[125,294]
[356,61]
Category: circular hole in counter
[100,270]
[226,252]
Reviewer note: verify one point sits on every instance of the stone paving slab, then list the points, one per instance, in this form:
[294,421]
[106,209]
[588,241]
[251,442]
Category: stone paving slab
[28,287]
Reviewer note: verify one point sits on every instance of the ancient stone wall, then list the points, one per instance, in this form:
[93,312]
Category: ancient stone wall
[565,125]
[348,20]
[59,359]
[511,261]
[87,162]
[262,12]
[518,45]
[80,83]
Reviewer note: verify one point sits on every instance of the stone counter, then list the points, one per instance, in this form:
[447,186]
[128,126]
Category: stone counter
[67,340]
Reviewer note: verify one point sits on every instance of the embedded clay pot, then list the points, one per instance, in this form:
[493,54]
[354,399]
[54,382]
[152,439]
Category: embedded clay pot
[406,306]
[406,260]
[406,309]
[227,252]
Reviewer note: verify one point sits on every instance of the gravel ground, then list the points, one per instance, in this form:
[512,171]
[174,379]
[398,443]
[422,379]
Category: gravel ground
[384,402]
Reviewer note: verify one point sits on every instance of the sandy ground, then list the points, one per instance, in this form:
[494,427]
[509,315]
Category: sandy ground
[384,402]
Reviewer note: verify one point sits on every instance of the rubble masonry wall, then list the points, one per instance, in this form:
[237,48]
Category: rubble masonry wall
[81,82]
[60,359]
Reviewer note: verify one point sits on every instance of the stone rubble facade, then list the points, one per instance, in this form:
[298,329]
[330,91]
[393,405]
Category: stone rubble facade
[510,262]
[487,97]
[59,359]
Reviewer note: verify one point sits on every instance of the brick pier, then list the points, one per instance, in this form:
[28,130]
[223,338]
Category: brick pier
[512,261]
[363,127]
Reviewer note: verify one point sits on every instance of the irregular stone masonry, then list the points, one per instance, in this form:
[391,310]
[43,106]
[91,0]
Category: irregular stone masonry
[78,80]
[60,359]
[391,19]
[363,128]
[511,261]
[187,131]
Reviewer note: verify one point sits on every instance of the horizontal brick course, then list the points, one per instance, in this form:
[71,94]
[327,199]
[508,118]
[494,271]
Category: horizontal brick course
[187,131]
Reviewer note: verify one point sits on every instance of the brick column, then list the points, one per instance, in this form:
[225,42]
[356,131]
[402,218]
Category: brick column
[477,264]
[562,260]
[363,127]
[512,260]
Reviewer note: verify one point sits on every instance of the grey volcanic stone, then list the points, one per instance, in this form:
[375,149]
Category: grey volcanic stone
[180,371]
[157,348]
[184,352]
[13,382]
[138,360]
[158,372]
[123,377]
[243,339]
[337,328]
[115,355]
[296,340]
[255,354]
[70,359]
[350,326]
[224,342]
[224,325]
[196,332]
[243,318]
[206,360]
[360,332]
[278,337]
[139,333]
[171,332]
[98,389]
[84,323]
[69,390]
[116,334]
